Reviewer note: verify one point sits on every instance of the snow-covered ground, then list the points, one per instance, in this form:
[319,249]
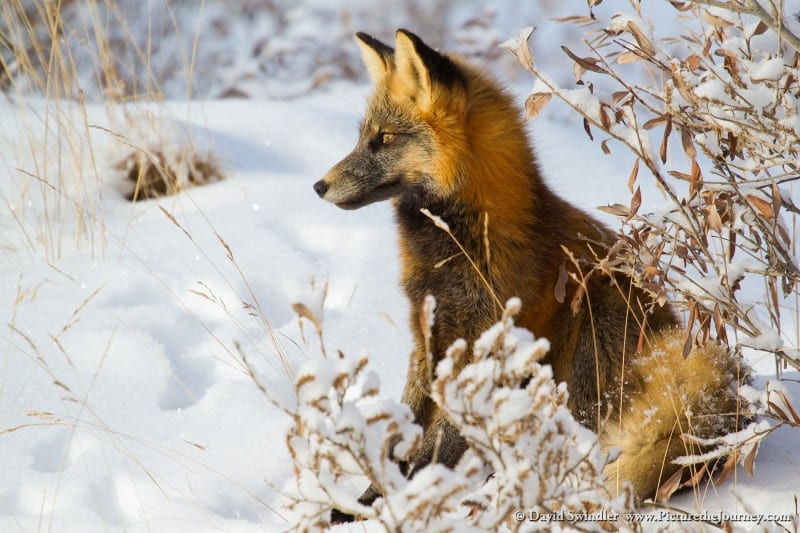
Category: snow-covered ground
[123,402]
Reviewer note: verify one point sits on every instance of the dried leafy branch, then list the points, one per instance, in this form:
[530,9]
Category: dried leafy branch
[724,103]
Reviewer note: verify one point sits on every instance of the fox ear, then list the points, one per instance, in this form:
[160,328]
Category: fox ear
[420,66]
[377,57]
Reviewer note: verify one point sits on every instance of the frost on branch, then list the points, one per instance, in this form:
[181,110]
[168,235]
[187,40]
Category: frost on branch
[342,429]
[774,407]
[527,452]
[542,459]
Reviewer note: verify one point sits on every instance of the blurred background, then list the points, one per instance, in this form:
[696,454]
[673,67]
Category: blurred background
[179,49]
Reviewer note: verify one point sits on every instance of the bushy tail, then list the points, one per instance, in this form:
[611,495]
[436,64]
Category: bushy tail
[695,395]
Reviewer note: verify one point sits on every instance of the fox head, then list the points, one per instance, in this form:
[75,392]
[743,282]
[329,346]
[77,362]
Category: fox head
[413,135]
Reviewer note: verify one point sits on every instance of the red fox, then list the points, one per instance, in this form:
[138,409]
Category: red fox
[441,135]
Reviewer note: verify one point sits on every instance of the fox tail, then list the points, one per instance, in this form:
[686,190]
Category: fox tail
[696,395]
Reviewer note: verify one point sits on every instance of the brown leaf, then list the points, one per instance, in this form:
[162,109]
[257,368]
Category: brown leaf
[719,324]
[750,460]
[776,199]
[629,56]
[777,411]
[693,62]
[722,335]
[773,292]
[577,19]
[728,467]
[534,104]
[587,128]
[520,48]
[731,64]
[618,210]
[524,56]
[578,72]
[665,139]
[784,235]
[714,20]
[650,271]
[696,172]
[604,147]
[588,63]
[634,174]
[523,50]
[733,145]
[668,488]
[707,47]
[604,120]
[763,207]
[704,331]
[636,202]
[713,219]
[696,178]
[760,28]
[620,95]
[680,175]
[795,416]
[560,292]
[790,82]
[641,40]
[683,88]
[696,477]
[688,145]
[680,6]
[687,344]
[653,122]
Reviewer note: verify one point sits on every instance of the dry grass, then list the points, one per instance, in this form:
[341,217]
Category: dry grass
[155,174]
[57,154]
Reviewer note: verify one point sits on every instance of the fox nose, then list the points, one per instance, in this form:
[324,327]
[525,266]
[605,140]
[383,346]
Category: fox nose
[321,187]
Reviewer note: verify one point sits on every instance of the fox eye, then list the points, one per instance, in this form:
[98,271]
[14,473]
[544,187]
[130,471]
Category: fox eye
[386,138]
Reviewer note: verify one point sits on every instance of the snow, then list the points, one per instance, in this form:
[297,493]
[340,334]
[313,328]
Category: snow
[124,400]
[769,69]
[140,415]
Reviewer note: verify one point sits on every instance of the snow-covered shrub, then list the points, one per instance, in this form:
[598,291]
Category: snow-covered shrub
[528,458]
[724,101]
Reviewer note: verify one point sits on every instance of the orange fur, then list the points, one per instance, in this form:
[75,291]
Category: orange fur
[459,148]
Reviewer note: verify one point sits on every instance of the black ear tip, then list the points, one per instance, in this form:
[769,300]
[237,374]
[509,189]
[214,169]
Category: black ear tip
[409,34]
[440,67]
[418,44]
[383,49]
